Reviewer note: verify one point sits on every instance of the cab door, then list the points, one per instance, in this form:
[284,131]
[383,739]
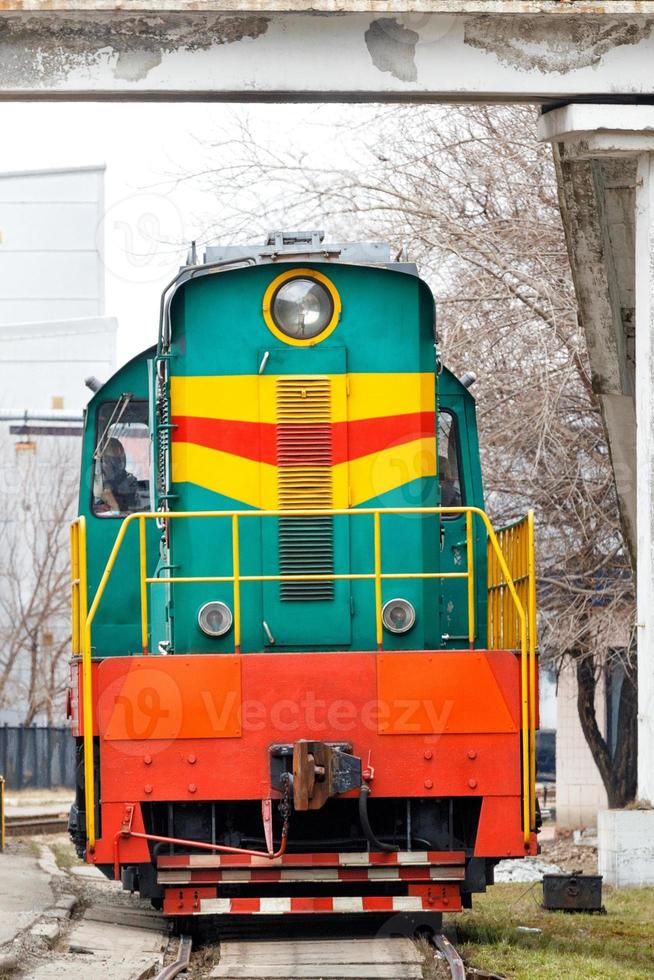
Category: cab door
[303,410]
[459,479]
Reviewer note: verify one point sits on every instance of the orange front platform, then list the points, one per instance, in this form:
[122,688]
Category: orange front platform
[198,728]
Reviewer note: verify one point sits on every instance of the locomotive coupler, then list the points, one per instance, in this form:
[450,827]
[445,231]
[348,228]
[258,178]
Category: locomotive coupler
[320,770]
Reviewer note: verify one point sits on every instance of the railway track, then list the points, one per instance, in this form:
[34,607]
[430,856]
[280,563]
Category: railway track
[118,937]
[363,958]
[45,823]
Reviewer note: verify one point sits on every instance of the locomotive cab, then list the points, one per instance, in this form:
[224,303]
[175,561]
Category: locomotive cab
[297,640]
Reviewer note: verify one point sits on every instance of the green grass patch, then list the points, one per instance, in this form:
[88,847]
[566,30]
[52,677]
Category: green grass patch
[65,855]
[577,946]
[32,847]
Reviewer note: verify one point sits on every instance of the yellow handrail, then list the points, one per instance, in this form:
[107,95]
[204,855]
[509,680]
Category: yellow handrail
[77,581]
[2,813]
[522,610]
[236,571]
[74,588]
[144,588]
[470,544]
[379,626]
[517,542]
[531,607]
[79,590]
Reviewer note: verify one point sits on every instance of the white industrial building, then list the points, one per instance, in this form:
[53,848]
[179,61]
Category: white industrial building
[53,331]
[53,335]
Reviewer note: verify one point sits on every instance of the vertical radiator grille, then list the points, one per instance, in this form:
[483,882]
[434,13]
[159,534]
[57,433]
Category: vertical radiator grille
[304,474]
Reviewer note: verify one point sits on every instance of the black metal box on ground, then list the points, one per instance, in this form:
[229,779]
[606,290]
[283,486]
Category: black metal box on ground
[572,893]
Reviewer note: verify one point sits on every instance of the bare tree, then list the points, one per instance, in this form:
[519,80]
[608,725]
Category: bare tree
[473,195]
[37,498]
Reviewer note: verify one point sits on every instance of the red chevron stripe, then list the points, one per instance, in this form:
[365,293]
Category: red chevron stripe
[258,440]
[372,435]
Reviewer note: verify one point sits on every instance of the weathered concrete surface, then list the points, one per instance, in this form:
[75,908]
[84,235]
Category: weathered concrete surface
[644,241]
[109,941]
[626,847]
[250,52]
[597,206]
[593,7]
[337,959]
[89,873]
[25,893]
[596,152]
[605,161]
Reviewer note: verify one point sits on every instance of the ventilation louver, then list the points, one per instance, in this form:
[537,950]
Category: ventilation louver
[304,468]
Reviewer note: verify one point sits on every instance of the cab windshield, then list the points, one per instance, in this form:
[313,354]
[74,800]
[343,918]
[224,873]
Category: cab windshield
[121,460]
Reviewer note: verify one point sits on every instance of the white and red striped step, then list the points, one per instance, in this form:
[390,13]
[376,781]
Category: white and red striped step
[180,869]
[196,884]
[198,903]
[344,859]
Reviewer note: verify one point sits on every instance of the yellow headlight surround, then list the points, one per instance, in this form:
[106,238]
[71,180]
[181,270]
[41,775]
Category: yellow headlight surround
[288,276]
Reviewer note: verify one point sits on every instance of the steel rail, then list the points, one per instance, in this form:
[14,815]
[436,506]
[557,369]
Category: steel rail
[46,823]
[181,963]
[454,961]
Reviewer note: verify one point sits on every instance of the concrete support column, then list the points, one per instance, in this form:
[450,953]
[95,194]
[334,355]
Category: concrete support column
[605,166]
[644,290]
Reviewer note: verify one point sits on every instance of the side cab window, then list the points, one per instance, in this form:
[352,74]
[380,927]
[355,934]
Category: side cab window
[460,483]
[449,460]
[121,458]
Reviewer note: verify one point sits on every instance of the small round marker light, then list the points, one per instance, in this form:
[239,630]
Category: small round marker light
[398,615]
[215,619]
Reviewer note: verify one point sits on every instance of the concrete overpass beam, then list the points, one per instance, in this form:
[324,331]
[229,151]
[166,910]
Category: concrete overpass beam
[325,50]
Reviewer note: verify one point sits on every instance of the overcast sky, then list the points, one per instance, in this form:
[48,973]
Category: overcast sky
[148,212]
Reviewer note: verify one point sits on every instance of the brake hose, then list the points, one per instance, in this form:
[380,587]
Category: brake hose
[364,793]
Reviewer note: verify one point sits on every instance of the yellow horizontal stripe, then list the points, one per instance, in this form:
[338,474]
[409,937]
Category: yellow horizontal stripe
[379,395]
[378,473]
[232,476]
[229,397]
[255,483]
[251,397]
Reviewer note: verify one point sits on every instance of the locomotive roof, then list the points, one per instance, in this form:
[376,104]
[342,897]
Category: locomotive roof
[280,246]
[298,246]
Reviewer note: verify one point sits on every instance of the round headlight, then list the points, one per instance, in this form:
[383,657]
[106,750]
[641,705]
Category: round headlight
[215,619]
[398,615]
[302,308]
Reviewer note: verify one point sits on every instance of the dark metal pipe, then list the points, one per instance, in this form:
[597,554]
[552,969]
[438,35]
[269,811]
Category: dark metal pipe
[378,845]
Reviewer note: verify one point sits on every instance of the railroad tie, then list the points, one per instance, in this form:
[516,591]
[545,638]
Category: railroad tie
[364,959]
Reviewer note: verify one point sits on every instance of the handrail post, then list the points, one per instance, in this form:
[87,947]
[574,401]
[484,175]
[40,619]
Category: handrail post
[525,719]
[74,588]
[236,571]
[471,580]
[524,679]
[87,676]
[2,813]
[87,689]
[84,628]
[143,561]
[531,606]
[378,584]
[83,584]
[87,730]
